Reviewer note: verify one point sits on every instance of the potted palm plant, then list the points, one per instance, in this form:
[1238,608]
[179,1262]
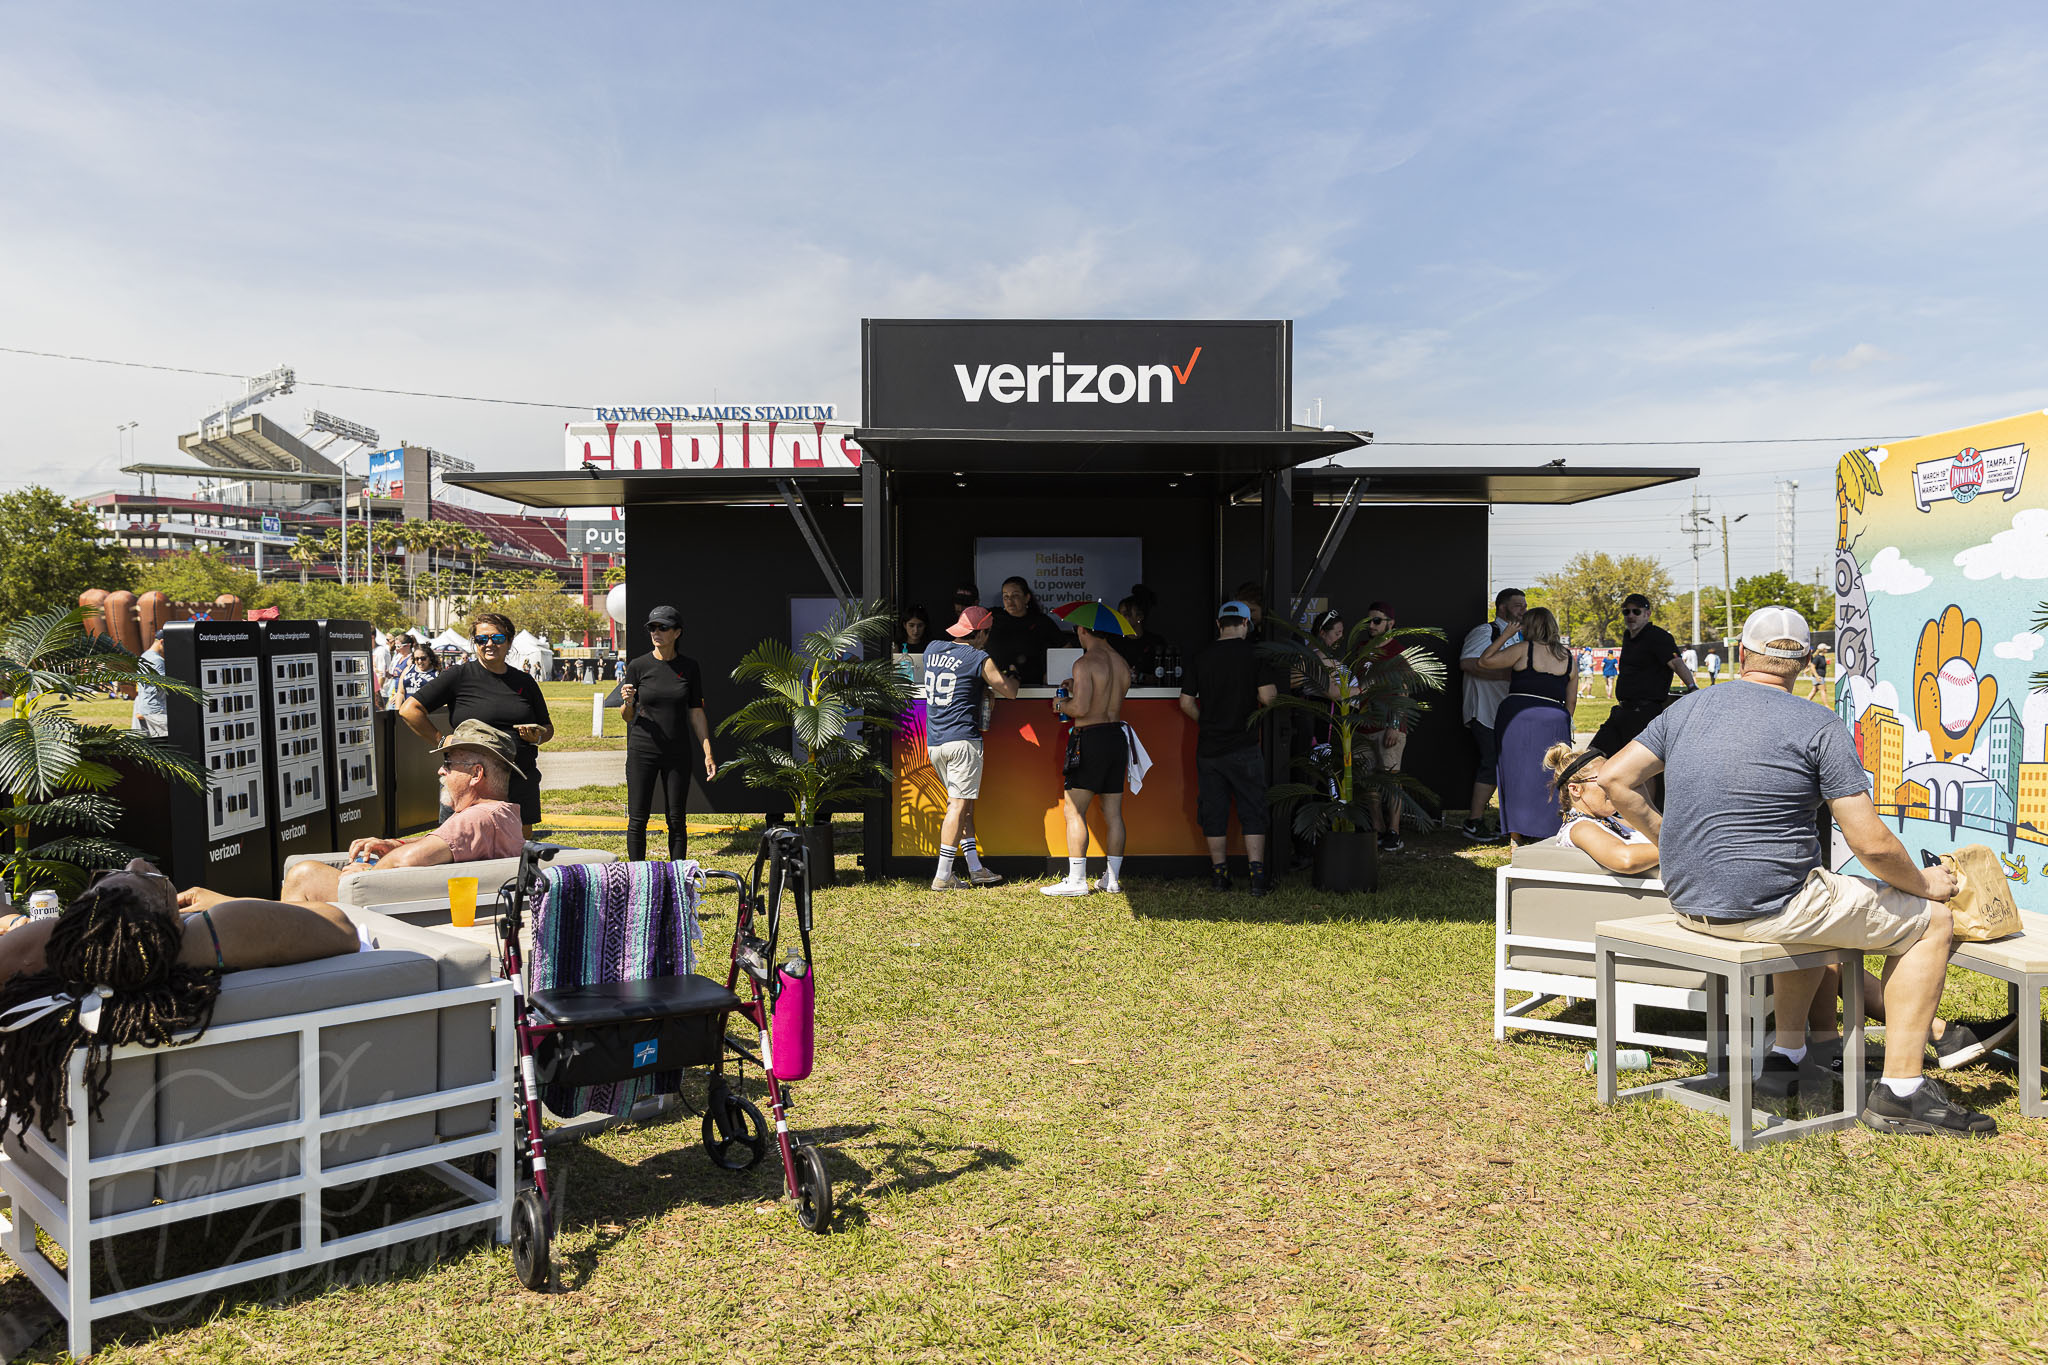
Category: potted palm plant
[832,703]
[59,772]
[1372,682]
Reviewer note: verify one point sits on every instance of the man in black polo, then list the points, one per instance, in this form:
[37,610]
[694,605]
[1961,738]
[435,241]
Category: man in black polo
[1642,680]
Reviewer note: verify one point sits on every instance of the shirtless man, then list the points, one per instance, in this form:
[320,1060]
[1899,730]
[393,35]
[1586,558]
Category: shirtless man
[1097,756]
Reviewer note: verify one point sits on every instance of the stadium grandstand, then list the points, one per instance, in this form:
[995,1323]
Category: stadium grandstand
[254,488]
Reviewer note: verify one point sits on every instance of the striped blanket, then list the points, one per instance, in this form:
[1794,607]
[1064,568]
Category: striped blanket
[603,922]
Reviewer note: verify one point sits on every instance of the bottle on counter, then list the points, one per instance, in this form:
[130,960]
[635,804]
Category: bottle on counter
[1173,657]
[1158,669]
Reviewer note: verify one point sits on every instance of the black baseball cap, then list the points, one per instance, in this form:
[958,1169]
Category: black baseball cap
[664,618]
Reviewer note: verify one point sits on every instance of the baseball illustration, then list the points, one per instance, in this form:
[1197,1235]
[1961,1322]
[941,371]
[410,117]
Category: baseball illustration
[1956,685]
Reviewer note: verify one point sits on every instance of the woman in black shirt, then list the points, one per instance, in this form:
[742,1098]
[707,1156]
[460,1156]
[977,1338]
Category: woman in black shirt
[662,702]
[492,691]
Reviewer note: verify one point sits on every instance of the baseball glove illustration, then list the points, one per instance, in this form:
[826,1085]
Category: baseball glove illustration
[1950,702]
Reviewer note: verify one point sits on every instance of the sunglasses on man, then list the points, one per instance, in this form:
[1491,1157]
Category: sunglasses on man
[1634,611]
[496,637]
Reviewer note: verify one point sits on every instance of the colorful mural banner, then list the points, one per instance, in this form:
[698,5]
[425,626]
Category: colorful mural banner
[1941,568]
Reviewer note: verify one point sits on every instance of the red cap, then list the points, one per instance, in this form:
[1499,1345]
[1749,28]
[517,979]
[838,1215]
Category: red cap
[971,620]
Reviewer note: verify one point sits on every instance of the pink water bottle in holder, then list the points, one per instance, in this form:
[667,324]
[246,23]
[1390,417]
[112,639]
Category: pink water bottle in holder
[791,1026]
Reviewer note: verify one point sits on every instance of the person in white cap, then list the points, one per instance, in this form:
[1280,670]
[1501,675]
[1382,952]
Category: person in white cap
[1745,768]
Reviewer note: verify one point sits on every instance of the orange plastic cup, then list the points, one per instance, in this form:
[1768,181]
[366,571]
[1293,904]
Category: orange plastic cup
[462,901]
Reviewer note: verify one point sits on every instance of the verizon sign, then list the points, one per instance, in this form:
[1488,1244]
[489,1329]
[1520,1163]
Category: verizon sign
[707,447]
[1076,376]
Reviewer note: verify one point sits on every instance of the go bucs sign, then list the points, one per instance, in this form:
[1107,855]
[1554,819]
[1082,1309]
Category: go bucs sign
[1076,376]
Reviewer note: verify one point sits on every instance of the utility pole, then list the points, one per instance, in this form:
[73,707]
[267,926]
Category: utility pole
[1699,529]
[1727,584]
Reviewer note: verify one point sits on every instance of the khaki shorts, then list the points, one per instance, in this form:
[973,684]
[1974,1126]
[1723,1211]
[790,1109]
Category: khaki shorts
[958,764]
[1832,911]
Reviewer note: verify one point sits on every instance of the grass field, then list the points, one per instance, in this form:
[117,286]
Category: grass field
[1181,1126]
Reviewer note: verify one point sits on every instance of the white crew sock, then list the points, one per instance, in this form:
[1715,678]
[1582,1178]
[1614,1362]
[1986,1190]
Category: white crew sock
[971,854]
[1797,1054]
[946,856]
[1903,1088]
[1116,868]
[1077,869]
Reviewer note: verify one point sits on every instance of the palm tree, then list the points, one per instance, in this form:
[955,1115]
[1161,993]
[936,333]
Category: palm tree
[823,693]
[1378,687]
[305,552]
[57,770]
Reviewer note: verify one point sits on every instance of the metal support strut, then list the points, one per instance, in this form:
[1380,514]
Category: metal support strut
[813,537]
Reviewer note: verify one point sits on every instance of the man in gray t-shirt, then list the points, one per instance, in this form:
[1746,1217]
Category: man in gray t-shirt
[1746,767]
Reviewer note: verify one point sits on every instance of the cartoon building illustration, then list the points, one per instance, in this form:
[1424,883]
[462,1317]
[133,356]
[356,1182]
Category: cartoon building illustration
[1941,568]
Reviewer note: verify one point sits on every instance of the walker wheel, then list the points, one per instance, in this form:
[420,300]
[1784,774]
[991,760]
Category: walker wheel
[530,1240]
[813,1191]
[735,1134]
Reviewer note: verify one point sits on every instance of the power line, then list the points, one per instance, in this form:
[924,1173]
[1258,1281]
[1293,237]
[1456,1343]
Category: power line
[1702,441]
[535,403]
[302,383]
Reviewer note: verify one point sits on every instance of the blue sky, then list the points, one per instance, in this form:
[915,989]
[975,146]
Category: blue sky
[1494,222]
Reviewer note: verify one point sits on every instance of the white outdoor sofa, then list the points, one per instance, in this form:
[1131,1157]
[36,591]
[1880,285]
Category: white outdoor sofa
[419,895]
[1547,901]
[412,1047]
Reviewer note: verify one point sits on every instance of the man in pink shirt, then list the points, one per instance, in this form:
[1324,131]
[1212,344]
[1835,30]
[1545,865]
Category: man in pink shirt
[476,772]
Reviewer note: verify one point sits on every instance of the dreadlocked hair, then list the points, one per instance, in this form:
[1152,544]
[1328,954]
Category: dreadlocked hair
[116,937]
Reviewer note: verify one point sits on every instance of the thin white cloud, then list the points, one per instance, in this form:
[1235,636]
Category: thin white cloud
[2021,552]
[1855,358]
[1891,572]
[2021,646]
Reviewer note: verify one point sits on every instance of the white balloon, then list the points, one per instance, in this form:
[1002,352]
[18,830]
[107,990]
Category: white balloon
[615,604]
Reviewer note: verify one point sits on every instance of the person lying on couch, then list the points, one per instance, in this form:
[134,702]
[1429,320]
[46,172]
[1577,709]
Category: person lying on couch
[476,772]
[121,965]
[1591,824]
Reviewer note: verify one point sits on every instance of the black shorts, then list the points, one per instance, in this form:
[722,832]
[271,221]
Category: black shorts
[1489,753]
[1097,759]
[1240,776]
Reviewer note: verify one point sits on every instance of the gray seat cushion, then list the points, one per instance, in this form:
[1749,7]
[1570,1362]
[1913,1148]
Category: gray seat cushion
[211,1090]
[465,1031]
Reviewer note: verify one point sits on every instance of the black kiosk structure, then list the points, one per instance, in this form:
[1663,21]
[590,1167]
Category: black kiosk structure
[1175,434]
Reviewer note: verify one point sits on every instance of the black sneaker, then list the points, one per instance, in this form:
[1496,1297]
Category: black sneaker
[1392,843]
[1961,1044]
[1828,1056]
[1219,879]
[1479,834]
[1927,1112]
[1780,1076]
[1259,881]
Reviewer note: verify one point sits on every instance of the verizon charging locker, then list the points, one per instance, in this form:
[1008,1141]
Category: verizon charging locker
[351,729]
[223,840]
[300,786]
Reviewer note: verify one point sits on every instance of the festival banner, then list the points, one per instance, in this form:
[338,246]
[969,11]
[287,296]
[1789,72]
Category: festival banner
[1941,567]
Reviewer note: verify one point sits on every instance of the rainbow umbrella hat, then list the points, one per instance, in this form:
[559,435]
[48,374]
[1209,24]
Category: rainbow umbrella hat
[1094,616]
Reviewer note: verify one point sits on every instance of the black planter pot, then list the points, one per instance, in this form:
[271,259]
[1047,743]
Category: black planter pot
[1348,862]
[818,844]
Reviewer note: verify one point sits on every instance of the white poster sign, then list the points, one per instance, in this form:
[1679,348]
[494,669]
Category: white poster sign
[1060,570]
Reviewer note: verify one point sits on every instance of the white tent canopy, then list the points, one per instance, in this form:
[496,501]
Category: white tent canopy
[448,639]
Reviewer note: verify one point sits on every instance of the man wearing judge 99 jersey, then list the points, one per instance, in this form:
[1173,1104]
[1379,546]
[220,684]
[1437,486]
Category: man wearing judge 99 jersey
[955,673]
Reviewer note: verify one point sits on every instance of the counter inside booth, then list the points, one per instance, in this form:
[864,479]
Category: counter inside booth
[1021,810]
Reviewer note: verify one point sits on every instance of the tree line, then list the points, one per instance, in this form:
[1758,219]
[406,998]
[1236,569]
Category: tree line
[1587,593]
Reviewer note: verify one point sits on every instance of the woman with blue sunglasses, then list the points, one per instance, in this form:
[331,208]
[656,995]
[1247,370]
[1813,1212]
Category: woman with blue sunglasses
[490,690]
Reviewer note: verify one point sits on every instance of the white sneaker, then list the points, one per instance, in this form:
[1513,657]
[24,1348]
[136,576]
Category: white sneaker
[952,883]
[1109,886]
[984,877]
[1064,887]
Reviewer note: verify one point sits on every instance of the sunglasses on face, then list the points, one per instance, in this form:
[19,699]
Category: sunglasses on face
[496,637]
[1633,611]
[447,767]
[1379,621]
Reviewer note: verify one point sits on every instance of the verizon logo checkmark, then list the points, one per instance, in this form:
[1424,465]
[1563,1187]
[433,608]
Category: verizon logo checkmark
[1182,374]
